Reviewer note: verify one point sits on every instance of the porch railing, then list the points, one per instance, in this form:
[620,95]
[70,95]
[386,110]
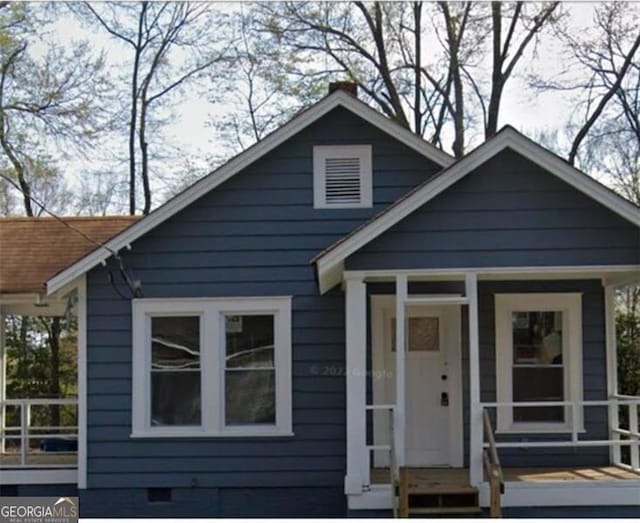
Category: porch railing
[32,436]
[619,435]
[492,468]
[394,477]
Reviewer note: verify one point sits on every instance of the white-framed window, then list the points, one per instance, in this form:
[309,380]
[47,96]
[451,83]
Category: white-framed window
[538,359]
[211,367]
[342,176]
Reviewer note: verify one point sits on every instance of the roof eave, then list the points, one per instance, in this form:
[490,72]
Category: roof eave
[329,264]
[236,164]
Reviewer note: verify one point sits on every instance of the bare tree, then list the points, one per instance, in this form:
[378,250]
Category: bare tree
[608,75]
[524,23]
[420,64]
[43,100]
[171,45]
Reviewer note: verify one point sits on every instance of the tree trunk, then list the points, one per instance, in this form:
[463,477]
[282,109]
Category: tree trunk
[454,36]
[417,29]
[54,385]
[497,83]
[144,167]
[134,110]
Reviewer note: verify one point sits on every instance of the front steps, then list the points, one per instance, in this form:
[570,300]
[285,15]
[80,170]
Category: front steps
[436,492]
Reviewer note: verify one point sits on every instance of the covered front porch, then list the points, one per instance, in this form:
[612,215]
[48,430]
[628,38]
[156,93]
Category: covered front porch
[455,405]
[43,426]
[38,432]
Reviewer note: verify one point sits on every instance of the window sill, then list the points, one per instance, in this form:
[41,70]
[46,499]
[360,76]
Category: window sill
[248,433]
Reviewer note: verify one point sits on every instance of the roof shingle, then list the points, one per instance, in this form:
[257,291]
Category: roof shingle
[32,250]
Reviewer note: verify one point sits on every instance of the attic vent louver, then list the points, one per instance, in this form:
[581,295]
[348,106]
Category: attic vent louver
[342,176]
[342,180]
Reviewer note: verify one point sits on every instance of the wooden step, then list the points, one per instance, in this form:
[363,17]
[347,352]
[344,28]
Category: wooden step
[444,510]
[435,493]
[441,489]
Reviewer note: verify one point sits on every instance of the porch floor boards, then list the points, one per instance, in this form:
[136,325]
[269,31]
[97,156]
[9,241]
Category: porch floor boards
[458,478]
[609,473]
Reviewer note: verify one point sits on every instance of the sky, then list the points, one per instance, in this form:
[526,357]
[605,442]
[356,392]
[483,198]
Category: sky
[522,108]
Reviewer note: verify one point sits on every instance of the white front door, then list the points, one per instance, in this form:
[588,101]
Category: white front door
[433,400]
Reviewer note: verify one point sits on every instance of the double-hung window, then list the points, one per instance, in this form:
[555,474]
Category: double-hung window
[538,361]
[212,367]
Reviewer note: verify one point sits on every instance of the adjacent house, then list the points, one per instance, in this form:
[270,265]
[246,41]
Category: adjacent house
[343,307]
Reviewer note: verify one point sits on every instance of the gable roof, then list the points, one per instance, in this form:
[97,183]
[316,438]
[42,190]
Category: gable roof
[35,249]
[239,162]
[330,262]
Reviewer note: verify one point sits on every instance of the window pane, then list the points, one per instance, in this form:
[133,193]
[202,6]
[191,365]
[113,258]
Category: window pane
[250,397]
[175,398]
[537,337]
[175,370]
[249,341]
[538,384]
[175,342]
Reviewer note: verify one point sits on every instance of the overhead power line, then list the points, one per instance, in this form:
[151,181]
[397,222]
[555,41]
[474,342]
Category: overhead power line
[133,285]
[54,215]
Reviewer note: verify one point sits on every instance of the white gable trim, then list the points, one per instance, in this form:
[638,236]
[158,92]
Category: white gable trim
[236,164]
[329,264]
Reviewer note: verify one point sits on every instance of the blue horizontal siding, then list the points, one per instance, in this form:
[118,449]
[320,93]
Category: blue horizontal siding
[508,212]
[210,502]
[252,236]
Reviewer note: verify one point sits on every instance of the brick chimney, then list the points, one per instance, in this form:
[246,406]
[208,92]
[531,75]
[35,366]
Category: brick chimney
[348,87]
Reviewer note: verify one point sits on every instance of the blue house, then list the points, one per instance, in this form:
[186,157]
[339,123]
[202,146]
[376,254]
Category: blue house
[238,347]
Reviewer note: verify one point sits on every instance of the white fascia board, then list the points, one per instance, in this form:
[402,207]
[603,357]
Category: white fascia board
[507,138]
[244,159]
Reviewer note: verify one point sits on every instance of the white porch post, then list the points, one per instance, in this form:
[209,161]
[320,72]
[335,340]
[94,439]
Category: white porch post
[612,367]
[399,411]
[3,381]
[475,412]
[356,361]
[82,382]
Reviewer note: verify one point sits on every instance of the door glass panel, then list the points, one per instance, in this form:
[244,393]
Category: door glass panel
[423,334]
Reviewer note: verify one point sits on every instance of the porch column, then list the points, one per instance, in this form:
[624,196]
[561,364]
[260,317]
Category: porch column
[3,381]
[356,361]
[612,366]
[475,412]
[399,421]
[82,381]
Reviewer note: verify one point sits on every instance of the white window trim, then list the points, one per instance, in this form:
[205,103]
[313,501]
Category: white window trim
[571,306]
[210,311]
[321,153]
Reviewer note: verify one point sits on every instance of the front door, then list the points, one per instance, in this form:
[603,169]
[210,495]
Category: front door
[433,417]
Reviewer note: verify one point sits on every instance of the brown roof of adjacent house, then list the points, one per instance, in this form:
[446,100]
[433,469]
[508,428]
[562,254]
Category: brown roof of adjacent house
[32,250]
